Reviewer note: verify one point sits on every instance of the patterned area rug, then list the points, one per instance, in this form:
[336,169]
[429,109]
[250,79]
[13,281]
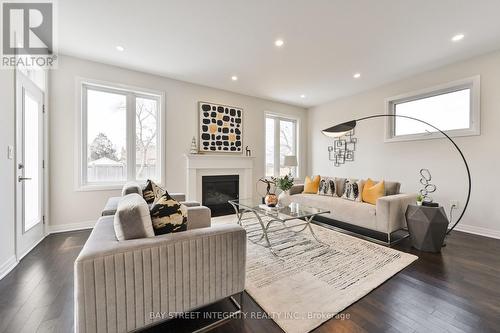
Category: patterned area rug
[308,282]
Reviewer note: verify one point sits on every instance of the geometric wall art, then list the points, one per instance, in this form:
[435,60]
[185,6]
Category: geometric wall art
[221,128]
[343,149]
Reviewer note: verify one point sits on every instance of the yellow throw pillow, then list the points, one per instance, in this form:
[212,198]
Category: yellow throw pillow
[311,186]
[372,191]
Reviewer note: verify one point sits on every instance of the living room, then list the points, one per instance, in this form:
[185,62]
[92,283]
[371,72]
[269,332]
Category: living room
[299,166]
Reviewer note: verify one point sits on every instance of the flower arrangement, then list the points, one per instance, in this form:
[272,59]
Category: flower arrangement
[283,183]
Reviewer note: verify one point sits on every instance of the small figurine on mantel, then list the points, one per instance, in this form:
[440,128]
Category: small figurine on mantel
[248,152]
[194,146]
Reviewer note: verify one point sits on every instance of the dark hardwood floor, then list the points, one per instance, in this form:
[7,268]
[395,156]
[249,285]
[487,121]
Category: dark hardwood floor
[455,291]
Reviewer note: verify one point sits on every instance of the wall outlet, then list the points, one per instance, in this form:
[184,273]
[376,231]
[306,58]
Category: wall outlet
[10,152]
[454,203]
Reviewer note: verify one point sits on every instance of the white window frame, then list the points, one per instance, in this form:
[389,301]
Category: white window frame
[277,161]
[472,83]
[82,85]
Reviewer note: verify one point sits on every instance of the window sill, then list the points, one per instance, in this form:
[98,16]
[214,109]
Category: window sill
[99,187]
[434,135]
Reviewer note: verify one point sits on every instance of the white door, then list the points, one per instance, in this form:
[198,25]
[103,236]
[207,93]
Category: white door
[29,165]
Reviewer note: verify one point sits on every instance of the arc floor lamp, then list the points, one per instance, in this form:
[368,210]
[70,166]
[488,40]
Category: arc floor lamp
[341,129]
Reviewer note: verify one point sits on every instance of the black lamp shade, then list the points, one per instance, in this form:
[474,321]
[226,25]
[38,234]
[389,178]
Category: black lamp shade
[340,129]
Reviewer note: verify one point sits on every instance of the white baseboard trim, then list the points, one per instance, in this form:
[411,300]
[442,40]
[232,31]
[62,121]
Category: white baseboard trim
[53,229]
[478,231]
[12,262]
[7,266]
[31,248]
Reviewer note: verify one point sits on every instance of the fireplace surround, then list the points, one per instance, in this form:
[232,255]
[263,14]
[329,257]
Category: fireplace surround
[201,165]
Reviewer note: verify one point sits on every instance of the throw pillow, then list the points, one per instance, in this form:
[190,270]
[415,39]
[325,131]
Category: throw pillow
[353,189]
[152,192]
[168,215]
[131,187]
[372,191]
[132,218]
[327,186]
[311,186]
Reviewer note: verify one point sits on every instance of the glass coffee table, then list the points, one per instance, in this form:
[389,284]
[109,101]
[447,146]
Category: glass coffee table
[267,216]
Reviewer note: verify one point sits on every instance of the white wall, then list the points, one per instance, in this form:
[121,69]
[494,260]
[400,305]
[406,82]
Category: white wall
[402,161]
[7,179]
[79,208]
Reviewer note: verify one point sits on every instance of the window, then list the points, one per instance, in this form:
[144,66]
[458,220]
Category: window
[453,108]
[281,141]
[120,136]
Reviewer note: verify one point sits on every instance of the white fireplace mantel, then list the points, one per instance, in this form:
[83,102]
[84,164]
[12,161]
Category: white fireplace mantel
[199,165]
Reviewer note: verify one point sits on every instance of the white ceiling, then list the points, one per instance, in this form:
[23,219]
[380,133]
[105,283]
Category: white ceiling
[326,41]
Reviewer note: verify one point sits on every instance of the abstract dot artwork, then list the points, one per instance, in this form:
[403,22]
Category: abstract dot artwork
[221,128]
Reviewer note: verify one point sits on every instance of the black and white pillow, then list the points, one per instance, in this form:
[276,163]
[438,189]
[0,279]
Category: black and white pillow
[353,189]
[168,215]
[327,186]
[152,192]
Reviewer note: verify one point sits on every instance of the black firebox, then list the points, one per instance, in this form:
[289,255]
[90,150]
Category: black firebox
[217,190]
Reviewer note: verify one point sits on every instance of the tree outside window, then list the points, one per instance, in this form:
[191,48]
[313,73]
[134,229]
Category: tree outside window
[111,116]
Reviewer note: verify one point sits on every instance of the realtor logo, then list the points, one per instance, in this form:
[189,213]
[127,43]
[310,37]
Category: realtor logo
[28,34]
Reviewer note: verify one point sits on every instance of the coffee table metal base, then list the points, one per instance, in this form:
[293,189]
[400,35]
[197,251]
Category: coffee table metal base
[265,226]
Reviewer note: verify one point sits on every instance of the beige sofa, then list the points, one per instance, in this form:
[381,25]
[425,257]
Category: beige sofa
[122,286]
[386,216]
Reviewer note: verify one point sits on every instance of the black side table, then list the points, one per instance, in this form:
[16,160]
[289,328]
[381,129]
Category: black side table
[427,227]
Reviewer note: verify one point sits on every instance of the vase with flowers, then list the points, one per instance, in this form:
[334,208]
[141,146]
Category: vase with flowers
[284,183]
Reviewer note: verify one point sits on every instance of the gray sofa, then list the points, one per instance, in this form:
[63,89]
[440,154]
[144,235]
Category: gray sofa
[112,203]
[121,286]
[386,216]
[197,215]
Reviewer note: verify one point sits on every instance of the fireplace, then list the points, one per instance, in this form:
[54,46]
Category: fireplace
[217,190]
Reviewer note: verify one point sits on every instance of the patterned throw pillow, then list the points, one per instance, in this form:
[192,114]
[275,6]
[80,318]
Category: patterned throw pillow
[152,192]
[353,189]
[168,215]
[327,186]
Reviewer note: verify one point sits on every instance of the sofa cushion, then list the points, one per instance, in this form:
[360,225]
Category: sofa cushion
[357,213]
[131,187]
[353,189]
[327,186]
[132,219]
[168,215]
[392,188]
[152,192]
[340,185]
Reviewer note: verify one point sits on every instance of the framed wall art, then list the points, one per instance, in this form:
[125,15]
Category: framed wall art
[221,128]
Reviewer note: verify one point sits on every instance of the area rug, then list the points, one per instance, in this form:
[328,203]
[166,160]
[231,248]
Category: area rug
[308,282]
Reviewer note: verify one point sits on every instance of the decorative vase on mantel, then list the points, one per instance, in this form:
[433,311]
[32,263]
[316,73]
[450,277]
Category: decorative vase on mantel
[284,199]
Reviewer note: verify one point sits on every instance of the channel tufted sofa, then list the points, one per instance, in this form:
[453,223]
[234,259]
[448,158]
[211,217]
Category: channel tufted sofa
[123,286]
[385,217]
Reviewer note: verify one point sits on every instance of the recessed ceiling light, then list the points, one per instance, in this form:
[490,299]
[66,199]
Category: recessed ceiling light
[234,78]
[357,75]
[279,42]
[302,96]
[120,48]
[458,37]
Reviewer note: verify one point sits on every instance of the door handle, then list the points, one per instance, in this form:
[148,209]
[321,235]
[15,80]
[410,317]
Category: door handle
[20,179]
